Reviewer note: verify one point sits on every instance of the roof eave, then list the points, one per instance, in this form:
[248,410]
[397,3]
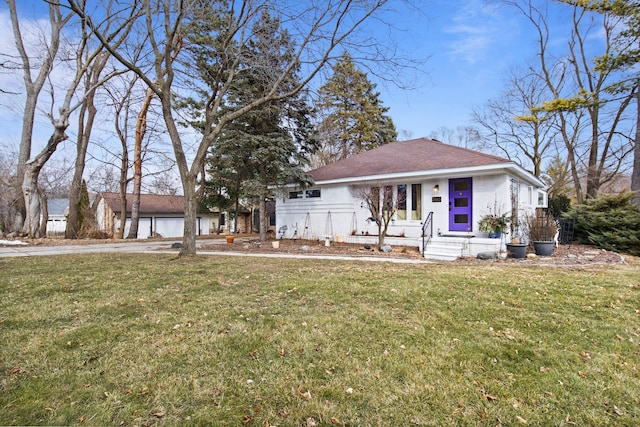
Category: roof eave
[439,173]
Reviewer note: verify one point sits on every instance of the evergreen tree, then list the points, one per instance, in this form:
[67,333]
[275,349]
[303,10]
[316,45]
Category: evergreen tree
[353,117]
[269,145]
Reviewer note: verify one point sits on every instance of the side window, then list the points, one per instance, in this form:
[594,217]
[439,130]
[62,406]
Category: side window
[295,194]
[315,193]
[542,199]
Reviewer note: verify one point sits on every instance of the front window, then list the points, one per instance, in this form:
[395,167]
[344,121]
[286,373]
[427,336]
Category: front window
[416,202]
[402,201]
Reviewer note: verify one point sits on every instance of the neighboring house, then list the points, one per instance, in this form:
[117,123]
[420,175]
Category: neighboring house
[442,188]
[58,209]
[160,216]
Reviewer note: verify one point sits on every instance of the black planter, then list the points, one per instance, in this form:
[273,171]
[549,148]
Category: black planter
[543,248]
[516,250]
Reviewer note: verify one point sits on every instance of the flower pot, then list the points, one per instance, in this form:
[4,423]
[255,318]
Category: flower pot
[516,250]
[543,248]
[275,244]
[230,239]
[495,235]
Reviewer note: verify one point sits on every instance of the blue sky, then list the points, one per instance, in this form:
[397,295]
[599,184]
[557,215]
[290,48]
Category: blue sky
[467,48]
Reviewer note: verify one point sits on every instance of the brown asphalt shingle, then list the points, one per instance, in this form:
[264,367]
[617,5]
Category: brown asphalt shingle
[415,155]
[149,203]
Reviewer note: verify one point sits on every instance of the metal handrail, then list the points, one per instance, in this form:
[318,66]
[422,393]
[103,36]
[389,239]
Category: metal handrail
[427,231]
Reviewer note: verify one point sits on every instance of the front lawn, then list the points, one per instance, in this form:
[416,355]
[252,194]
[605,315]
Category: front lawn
[215,340]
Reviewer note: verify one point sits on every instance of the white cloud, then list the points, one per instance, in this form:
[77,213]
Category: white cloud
[475,30]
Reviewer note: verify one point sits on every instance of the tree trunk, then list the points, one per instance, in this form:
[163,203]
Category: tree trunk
[32,170]
[84,134]
[262,214]
[31,195]
[45,213]
[381,234]
[635,175]
[235,216]
[123,213]
[33,88]
[190,211]
[141,129]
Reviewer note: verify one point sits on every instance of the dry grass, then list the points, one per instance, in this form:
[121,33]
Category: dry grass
[145,340]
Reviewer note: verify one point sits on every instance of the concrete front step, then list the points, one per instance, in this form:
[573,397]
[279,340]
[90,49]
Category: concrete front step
[451,248]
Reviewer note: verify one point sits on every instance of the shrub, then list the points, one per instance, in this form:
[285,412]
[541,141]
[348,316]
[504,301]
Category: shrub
[542,226]
[558,205]
[610,222]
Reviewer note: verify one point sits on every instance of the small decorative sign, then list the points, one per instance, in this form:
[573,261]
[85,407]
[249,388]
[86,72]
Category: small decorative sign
[436,199]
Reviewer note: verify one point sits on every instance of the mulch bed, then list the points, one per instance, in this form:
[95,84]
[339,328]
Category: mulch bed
[574,254]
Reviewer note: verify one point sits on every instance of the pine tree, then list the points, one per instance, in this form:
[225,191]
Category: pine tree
[353,117]
[269,145]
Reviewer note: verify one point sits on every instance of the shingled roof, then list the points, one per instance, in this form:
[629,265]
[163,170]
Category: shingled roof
[149,203]
[416,155]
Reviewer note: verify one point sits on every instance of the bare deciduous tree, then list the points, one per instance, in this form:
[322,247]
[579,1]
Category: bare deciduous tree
[82,55]
[592,119]
[508,123]
[318,28]
[33,87]
[382,204]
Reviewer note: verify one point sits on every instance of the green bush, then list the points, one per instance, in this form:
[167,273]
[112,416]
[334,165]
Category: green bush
[610,222]
[558,205]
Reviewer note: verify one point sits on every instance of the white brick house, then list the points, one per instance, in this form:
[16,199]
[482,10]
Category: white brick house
[443,191]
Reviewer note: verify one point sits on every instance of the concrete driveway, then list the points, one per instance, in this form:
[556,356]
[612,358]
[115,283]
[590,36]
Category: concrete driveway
[155,246]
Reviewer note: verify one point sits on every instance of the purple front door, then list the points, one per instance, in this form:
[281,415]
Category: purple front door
[460,204]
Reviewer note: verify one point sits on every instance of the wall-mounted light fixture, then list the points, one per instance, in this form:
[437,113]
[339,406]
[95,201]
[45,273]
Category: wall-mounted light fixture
[436,189]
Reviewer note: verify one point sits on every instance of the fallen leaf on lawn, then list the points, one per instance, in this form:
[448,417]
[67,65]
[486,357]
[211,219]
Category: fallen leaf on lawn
[585,355]
[311,422]
[336,421]
[487,395]
[283,413]
[582,374]
[544,369]
[89,360]
[305,394]
[246,420]
[159,414]
[82,420]
[15,370]
[254,352]
[617,410]
[522,420]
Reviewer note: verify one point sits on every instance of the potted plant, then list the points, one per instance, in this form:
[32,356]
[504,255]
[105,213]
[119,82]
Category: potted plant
[517,248]
[542,231]
[494,225]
